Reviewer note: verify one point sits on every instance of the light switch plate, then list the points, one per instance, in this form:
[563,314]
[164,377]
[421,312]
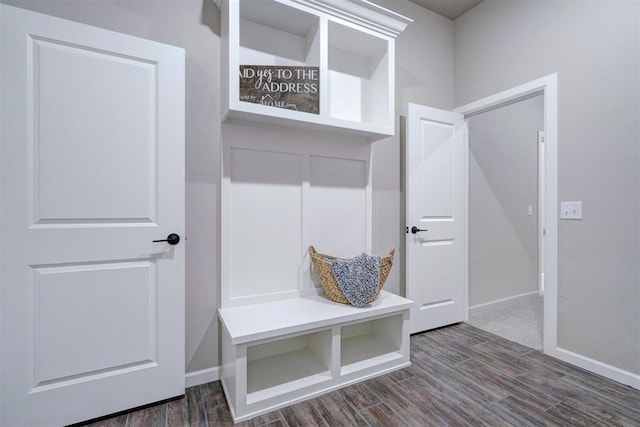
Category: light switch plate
[571,210]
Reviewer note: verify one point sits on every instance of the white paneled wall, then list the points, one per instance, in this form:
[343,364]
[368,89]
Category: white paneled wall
[338,205]
[265,221]
[283,191]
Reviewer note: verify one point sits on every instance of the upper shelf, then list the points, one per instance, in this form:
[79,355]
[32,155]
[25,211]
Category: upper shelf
[346,49]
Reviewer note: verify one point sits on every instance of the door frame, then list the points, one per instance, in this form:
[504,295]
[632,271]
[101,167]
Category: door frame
[548,86]
[541,214]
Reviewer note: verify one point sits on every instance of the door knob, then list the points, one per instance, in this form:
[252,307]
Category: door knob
[415,229]
[172,239]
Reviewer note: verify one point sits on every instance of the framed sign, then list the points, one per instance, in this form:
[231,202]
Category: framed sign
[291,87]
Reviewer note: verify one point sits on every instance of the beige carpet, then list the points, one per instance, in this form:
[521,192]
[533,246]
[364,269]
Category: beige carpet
[519,321]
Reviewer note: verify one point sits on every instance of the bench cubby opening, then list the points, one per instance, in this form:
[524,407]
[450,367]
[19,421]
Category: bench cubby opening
[370,343]
[291,363]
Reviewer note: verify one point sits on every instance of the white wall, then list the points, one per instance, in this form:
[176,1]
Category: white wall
[593,46]
[503,182]
[424,74]
[285,189]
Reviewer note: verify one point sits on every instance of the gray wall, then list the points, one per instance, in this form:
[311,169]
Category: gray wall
[503,182]
[593,46]
[424,75]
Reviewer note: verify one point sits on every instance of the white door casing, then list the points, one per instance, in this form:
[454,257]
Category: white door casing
[548,85]
[92,170]
[436,194]
[541,211]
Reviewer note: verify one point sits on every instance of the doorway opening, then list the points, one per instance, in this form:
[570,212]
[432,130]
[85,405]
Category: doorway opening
[547,201]
[506,223]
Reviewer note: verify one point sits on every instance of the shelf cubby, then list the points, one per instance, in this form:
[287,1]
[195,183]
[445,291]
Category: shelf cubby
[370,343]
[273,33]
[359,86]
[276,367]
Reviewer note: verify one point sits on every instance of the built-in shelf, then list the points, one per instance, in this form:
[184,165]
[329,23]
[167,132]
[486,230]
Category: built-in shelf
[370,343]
[358,70]
[281,341]
[350,41]
[273,33]
[276,367]
[306,347]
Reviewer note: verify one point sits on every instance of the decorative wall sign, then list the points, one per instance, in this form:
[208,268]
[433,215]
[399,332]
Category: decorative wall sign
[291,87]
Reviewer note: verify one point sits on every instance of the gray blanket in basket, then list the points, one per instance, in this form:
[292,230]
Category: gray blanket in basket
[358,277]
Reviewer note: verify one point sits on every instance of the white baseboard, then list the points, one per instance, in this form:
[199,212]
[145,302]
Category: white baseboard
[500,302]
[600,368]
[203,376]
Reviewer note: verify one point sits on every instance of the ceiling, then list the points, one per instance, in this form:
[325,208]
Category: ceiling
[448,8]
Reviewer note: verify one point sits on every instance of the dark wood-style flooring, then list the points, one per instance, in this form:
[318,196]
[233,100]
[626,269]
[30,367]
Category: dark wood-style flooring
[460,376]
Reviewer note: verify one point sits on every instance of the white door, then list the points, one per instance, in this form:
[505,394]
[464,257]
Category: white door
[436,194]
[91,171]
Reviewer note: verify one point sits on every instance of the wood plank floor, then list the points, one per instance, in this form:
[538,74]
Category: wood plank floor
[460,376]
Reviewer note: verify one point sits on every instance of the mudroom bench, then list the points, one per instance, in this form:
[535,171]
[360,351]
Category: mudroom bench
[281,352]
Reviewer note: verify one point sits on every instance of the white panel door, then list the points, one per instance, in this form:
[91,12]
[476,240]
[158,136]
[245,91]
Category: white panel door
[436,239]
[92,171]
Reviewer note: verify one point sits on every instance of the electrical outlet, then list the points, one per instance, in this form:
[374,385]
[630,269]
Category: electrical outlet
[571,210]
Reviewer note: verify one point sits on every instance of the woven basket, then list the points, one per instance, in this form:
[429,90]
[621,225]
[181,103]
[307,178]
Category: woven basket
[328,280]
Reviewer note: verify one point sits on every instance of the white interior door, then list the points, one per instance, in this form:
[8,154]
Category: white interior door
[92,170]
[436,194]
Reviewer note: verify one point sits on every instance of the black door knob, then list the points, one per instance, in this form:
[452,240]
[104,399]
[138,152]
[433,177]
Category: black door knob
[172,239]
[415,229]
